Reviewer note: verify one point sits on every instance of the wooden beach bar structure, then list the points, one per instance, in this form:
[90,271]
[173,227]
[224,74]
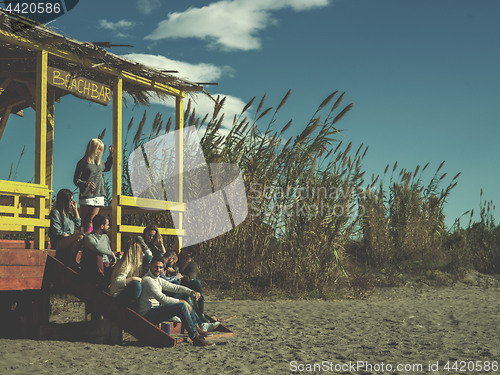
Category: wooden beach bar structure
[38,66]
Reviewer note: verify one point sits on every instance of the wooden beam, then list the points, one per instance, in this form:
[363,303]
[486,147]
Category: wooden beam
[117,164]
[4,84]
[12,38]
[41,141]
[140,229]
[147,203]
[18,75]
[14,103]
[17,56]
[3,120]
[54,39]
[23,188]
[164,79]
[191,88]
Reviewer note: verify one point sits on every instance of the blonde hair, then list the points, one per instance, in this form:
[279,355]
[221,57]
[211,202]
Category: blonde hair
[95,149]
[132,258]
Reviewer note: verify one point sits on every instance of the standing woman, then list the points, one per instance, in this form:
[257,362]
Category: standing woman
[63,220]
[88,177]
[125,280]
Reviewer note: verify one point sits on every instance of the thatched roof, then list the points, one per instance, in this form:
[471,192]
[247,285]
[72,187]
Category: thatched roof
[20,40]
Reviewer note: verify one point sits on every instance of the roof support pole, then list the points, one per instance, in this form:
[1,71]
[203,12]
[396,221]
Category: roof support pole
[179,159]
[50,143]
[116,243]
[40,141]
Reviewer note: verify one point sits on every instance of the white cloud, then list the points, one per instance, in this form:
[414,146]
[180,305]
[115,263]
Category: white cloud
[115,26]
[148,6]
[201,72]
[228,24]
[205,105]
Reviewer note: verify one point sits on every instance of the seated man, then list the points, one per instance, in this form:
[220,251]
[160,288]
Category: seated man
[157,307]
[97,255]
[173,276]
[187,273]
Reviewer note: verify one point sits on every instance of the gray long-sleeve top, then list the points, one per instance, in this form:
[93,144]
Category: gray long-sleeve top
[152,293]
[99,244]
[90,172]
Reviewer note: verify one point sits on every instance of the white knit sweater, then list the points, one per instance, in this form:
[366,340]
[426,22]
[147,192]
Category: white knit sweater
[152,292]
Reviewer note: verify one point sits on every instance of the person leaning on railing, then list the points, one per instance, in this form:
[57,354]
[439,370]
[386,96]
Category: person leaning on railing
[64,218]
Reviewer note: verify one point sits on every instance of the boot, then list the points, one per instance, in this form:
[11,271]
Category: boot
[202,333]
[200,341]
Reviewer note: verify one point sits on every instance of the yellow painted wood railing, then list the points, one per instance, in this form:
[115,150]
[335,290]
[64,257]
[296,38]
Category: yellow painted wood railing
[18,211]
[133,205]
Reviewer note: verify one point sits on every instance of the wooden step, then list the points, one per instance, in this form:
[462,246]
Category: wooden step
[132,322]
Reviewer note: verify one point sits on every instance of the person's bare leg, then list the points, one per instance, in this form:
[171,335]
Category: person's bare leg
[93,211]
[85,215]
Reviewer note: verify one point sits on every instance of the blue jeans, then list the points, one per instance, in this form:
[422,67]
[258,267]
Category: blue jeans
[165,312]
[131,292]
[194,284]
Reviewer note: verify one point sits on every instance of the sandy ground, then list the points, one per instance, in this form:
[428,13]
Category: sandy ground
[409,326]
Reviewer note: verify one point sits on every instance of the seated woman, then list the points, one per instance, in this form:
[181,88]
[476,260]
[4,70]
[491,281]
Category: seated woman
[125,281]
[151,242]
[64,218]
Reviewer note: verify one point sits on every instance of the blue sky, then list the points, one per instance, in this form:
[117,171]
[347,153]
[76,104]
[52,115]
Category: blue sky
[424,76]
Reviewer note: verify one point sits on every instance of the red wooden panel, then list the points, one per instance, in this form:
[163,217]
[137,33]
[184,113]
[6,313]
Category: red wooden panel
[23,257]
[20,284]
[21,272]
[12,244]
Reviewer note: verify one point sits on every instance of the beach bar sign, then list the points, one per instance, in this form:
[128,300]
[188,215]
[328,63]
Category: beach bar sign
[79,86]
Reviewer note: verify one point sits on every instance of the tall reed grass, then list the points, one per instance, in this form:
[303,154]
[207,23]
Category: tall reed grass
[312,217]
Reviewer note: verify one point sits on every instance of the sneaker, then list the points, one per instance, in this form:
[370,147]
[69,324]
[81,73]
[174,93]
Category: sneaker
[209,326]
[200,341]
[176,319]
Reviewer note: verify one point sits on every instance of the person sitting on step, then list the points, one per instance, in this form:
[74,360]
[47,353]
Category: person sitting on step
[188,271]
[98,257]
[156,307]
[126,283]
[64,218]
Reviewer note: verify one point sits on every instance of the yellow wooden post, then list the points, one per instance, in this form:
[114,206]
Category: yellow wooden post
[40,141]
[17,208]
[50,144]
[179,157]
[116,241]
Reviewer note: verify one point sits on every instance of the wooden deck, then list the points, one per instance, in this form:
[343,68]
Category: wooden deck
[25,275]
[20,268]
